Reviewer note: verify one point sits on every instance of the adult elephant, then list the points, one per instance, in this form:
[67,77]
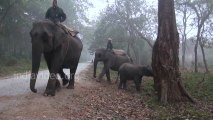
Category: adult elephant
[60,51]
[112,60]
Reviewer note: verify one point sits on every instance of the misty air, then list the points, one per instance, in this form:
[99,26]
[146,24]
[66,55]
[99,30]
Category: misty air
[106,59]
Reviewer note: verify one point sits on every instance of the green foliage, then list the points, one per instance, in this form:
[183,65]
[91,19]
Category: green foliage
[21,65]
[201,91]
[17,16]
[199,86]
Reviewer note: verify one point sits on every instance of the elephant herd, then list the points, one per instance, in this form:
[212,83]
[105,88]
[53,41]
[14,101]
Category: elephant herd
[119,61]
[62,50]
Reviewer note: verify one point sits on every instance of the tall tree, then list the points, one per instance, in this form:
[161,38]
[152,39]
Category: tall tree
[129,23]
[165,60]
[185,13]
[203,9]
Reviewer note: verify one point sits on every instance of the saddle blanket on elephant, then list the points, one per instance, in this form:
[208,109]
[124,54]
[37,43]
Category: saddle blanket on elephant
[68,30]
[119,52]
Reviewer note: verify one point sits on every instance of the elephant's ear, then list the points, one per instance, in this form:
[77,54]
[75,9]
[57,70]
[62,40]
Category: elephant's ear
[59,38]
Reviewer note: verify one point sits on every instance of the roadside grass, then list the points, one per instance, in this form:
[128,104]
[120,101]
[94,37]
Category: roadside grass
[201,90]
[20,66]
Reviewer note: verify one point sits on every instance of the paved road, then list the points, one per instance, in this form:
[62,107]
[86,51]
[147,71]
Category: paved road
[19,83]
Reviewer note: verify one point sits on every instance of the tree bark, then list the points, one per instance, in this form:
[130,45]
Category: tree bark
[204,57]
[196,47]
[184,36]
[165,60]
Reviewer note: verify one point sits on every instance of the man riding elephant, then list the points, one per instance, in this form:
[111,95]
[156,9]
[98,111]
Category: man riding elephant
[57,15]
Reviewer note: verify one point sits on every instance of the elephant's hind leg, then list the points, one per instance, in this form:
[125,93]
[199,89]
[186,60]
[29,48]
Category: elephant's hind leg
[72,77]
[63,76]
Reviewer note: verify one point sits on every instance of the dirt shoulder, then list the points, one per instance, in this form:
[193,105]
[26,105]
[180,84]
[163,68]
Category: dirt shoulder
[89,100]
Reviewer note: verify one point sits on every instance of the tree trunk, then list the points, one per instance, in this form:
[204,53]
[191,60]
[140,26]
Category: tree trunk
[135,53]
[204,57]
[184,53]
[184,37]
[195,50]
[165,60]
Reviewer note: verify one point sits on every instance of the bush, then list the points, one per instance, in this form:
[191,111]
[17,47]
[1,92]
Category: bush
[11,62]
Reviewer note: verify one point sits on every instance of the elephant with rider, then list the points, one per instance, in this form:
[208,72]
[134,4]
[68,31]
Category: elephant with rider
[60,50]
[111,60]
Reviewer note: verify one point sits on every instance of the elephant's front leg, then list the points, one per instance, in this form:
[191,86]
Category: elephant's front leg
[104,70]
[51,85]
[122,82]
[56,63]
[108,76]
[120,86]
[137,81]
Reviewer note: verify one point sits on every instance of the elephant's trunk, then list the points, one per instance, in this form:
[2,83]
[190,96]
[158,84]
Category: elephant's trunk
[36,58]
[95,67]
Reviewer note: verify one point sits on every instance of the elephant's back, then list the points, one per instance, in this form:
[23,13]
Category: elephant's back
[75,42]
[119,52]
[126,69]
[118,61]
[122,59]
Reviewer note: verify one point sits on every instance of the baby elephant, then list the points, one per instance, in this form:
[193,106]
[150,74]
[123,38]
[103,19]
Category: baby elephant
[134,72]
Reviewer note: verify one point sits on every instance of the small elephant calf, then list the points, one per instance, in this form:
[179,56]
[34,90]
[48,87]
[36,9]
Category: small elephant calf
[128,71]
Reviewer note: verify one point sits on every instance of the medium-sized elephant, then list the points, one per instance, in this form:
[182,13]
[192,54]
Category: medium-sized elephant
[129,71]
[111,59]
[60,51]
